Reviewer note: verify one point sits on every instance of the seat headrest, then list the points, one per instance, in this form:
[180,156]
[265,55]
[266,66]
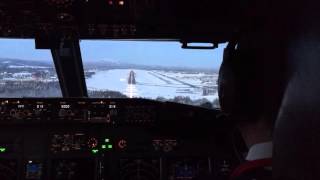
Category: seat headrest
[297,130]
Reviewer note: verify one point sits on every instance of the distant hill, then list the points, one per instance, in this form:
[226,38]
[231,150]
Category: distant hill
[105,65]
[7,63]
[18,63]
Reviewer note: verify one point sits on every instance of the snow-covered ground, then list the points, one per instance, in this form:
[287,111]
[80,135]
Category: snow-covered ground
[153,84]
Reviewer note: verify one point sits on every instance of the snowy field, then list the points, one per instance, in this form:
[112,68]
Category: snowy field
[153,84]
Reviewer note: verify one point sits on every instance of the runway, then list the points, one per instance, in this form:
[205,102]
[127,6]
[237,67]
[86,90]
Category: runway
[153,84]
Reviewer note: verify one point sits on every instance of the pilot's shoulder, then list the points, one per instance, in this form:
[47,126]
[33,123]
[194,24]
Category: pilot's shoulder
[256,174]
[260,169]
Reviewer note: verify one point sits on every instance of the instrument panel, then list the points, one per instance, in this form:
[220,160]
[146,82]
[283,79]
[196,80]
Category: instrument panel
[100,139]
[109,112]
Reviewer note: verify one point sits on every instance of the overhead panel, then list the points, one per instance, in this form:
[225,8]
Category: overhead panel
[119,19]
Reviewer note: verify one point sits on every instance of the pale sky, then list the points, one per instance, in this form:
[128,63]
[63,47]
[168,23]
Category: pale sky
[134,52]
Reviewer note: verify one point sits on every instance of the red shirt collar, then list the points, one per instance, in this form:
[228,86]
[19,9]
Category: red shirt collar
[251,165]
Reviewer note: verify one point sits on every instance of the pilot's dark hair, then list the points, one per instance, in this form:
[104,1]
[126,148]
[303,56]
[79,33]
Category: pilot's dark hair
[250,83]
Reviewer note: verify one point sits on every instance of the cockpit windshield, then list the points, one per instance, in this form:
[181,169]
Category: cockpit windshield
[26,71]
[154,70]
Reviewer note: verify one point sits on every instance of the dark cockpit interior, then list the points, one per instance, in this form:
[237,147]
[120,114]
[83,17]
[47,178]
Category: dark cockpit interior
[76,137]
[167,122]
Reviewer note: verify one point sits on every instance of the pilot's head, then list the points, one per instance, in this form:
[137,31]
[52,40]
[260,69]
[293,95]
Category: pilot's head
[250,85]
[240,86]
